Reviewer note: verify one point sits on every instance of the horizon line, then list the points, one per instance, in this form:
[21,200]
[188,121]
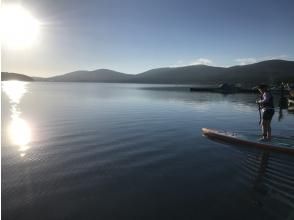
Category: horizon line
[171,67]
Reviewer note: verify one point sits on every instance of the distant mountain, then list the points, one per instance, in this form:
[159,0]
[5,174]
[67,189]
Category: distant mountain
[185,75]
[271,71]
[39,79]
[267,71]
[5,76]
[101,75]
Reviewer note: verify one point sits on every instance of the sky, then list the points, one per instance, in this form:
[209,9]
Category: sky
[133,36]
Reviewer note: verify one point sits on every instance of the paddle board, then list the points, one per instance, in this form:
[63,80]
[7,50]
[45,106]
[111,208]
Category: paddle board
[277,144]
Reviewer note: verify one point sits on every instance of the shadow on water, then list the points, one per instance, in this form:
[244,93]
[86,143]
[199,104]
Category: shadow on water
[272,182]
[270,177]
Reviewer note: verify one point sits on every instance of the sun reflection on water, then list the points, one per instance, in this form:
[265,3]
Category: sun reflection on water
[19,129]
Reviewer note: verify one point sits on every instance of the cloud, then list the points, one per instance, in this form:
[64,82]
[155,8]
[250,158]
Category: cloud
[178,64]
[240,61]
[280,57]
[245,61]
[203,61]
[200,61]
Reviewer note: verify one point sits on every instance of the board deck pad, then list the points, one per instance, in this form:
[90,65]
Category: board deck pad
[278,143]
[275,141]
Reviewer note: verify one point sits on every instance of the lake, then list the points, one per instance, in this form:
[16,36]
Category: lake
[130,151]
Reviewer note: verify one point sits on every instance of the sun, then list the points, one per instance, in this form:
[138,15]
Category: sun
[19,28]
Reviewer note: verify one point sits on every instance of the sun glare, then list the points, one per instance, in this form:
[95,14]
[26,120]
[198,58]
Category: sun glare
[14,90]
[19,29]
[19,130]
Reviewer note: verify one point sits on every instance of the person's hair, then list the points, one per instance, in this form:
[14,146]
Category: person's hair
[262,86]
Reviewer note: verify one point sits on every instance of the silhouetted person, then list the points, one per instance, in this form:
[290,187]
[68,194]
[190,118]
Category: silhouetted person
[266,104]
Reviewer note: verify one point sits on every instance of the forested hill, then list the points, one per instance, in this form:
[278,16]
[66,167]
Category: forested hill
[270,71]
[5,76]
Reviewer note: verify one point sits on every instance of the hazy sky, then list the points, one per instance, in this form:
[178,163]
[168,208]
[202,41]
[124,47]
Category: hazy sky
[132,36]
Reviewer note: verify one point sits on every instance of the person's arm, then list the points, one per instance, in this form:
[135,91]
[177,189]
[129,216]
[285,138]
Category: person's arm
[265,98]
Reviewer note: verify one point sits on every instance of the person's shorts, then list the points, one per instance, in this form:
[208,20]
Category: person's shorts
[268,114]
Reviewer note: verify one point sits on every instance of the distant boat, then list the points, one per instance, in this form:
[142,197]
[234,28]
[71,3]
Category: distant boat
[224,88]
[290,88]
[290,101]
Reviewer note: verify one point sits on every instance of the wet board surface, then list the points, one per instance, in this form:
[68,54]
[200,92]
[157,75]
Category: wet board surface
[278,143]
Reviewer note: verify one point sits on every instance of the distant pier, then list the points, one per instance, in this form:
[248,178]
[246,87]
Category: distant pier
[223,88]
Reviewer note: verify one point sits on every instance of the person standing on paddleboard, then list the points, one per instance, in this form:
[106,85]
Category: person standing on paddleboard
[266,105]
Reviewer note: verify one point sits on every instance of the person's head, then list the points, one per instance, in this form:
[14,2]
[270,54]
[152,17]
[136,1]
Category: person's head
[262,88]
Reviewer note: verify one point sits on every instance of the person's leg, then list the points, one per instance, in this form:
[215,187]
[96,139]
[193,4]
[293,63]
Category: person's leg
[263,129]
[267,129]
[268,122]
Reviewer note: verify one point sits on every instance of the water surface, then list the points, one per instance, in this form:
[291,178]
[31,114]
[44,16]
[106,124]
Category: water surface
[128,151]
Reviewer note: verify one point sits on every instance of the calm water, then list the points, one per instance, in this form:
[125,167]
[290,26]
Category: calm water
[120,151]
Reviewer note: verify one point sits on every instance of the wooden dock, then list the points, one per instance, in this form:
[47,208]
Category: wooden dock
[221,90]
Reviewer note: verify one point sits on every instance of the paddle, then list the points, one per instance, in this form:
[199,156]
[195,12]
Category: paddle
[259,110]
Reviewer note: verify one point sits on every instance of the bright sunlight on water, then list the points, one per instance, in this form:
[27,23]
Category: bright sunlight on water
[128,151]
[19,130]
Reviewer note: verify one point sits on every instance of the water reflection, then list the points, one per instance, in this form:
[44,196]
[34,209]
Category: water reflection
[271,176]
[245,101]
[19,130]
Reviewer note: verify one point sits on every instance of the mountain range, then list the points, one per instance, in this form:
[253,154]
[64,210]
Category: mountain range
[5,76]
[270,71]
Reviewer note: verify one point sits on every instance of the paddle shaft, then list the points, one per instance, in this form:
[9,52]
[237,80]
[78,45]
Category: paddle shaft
[259,110]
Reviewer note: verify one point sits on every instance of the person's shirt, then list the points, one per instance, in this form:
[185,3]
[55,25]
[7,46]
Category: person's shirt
[266,102]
